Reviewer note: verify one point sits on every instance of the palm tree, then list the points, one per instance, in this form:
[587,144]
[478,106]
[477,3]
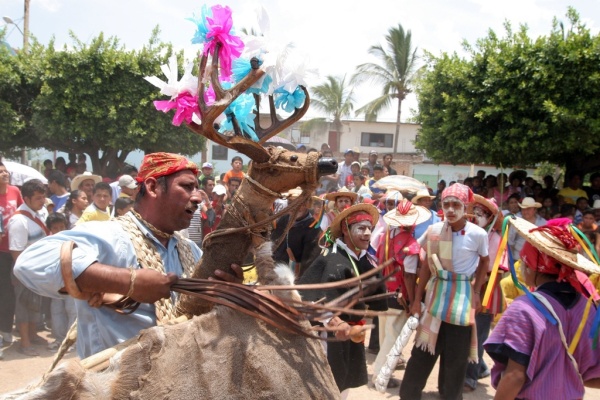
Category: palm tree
[395,74]
[334,98]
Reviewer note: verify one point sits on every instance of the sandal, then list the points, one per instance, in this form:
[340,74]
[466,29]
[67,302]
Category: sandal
[28,351]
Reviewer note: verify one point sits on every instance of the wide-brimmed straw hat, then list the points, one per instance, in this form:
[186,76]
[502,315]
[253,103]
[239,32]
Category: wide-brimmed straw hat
[553,247]
[491,206]
[420,195]
[343,192]
[529,202]
[83,177]
[407,214]
[336,225]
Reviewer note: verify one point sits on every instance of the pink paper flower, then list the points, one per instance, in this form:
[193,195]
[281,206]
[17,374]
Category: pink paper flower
[219,32]
[185,106]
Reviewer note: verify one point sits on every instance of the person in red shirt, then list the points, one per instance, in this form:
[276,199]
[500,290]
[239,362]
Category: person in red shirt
[10,199]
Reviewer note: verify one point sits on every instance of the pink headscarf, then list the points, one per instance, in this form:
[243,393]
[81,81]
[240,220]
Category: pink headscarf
[460,191]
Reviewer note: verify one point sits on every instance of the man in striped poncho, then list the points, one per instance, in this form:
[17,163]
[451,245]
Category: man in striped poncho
[455,269]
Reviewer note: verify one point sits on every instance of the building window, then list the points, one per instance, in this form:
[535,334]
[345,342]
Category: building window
[376,139]
[219,152]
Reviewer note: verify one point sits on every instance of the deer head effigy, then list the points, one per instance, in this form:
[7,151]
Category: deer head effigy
[272,170]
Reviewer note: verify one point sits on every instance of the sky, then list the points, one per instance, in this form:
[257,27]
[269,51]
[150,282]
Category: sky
[333,35]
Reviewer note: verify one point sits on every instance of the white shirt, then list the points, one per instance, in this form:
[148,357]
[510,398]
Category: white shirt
[23,231]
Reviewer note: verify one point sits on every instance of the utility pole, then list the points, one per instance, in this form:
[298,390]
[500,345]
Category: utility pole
[25,51]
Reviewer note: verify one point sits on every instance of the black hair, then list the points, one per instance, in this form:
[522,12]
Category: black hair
[594,176]
[56,218]
[588,211]
[58,177]
[128,169]
[378,167]
[123,202]
[73,196]
[162,181]
[47,161]
[237,158]
[516,196]
[567,209]
[32,187]
[102,186]
[205,180]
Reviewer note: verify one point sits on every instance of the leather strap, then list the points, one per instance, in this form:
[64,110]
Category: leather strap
[66,269]
[36,220]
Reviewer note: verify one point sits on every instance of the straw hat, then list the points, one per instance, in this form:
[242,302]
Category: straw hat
[336,225]
[83,177]
[407,214]
[343,192]
[529,202]
[551,246]
[491,207]
[420,195]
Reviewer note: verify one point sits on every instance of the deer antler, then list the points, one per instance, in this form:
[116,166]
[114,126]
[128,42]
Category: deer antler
[223,99]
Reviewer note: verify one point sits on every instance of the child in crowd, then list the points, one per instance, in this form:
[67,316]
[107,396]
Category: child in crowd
[122,206]
[99,210]
[62,311]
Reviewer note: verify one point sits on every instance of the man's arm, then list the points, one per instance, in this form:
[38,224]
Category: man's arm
[424,275]
[511,382]
[480,279]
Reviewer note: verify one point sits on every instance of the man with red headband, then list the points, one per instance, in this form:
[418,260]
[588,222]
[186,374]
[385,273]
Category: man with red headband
[455,269]
[545,346]
[349,236]
[139,255]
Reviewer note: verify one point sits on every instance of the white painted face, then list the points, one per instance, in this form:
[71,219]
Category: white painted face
[454,209]
[360,234]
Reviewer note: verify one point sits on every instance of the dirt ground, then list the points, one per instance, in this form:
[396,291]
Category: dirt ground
[18,371]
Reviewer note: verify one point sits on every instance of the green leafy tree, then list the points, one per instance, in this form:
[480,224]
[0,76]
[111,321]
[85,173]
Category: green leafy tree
[94,100]
[395,74]
[516,101]
[334,98]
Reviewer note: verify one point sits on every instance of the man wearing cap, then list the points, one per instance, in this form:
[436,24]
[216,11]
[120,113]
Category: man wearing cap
[128,186]
[341,200]
[529,213]
[372,161]
[424,199]
[139,255]
[457,252]
[85,182]
[345,168]
[127,169]
[348,238]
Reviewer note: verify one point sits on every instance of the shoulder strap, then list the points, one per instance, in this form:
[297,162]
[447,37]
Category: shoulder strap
[36,220]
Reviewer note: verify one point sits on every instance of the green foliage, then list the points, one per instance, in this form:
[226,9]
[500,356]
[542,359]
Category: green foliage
[92,98]
[515,101]
[334,98]
[395,74]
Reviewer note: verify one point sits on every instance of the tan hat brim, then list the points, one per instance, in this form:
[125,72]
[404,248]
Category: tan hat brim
[335,195]
[552,247]
[419,215]
[336,225]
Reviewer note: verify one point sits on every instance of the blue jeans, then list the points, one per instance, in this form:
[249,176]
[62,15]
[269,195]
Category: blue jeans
[475,371]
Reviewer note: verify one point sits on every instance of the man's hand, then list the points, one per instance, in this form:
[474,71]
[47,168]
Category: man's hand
[225,276]
[150,286]
[415,308]
[476,301]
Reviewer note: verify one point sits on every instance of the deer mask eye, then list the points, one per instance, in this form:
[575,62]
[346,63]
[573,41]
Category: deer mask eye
[294,158]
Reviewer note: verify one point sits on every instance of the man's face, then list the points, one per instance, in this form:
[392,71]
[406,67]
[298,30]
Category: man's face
[207,171]
[102,198]
[377,174]
[481,216]
[35,202]
[129,192]
[237,165]
[357,181]
[582,204]
[575,182]
[349,158]
[390,204]
[179,202]
[372,158]
[343,202]
[528,213]
[88,187]
[454,209]
[359,234]
[596,183]
[387,160]
[425,202]
[588,220]
[234,184]
[210,185]
[364,171]
[4,175]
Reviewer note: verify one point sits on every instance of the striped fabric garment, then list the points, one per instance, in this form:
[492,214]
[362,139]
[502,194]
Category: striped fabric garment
[449,295]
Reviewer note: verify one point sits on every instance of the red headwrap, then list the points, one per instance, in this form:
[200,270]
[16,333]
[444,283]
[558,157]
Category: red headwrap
[460,191]
[538,261]
[359,217]
[156,165]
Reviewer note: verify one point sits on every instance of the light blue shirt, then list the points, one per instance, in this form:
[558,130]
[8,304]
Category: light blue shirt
[38,268]
[422,227]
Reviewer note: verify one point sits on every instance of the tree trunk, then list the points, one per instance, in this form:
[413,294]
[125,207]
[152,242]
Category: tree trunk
[397,133]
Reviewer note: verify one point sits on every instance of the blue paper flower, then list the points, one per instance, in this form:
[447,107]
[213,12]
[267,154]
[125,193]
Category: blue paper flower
[289,101]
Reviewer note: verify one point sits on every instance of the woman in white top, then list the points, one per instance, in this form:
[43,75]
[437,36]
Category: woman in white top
[76,203]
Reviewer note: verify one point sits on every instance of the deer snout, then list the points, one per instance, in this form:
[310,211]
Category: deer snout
[327,166]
